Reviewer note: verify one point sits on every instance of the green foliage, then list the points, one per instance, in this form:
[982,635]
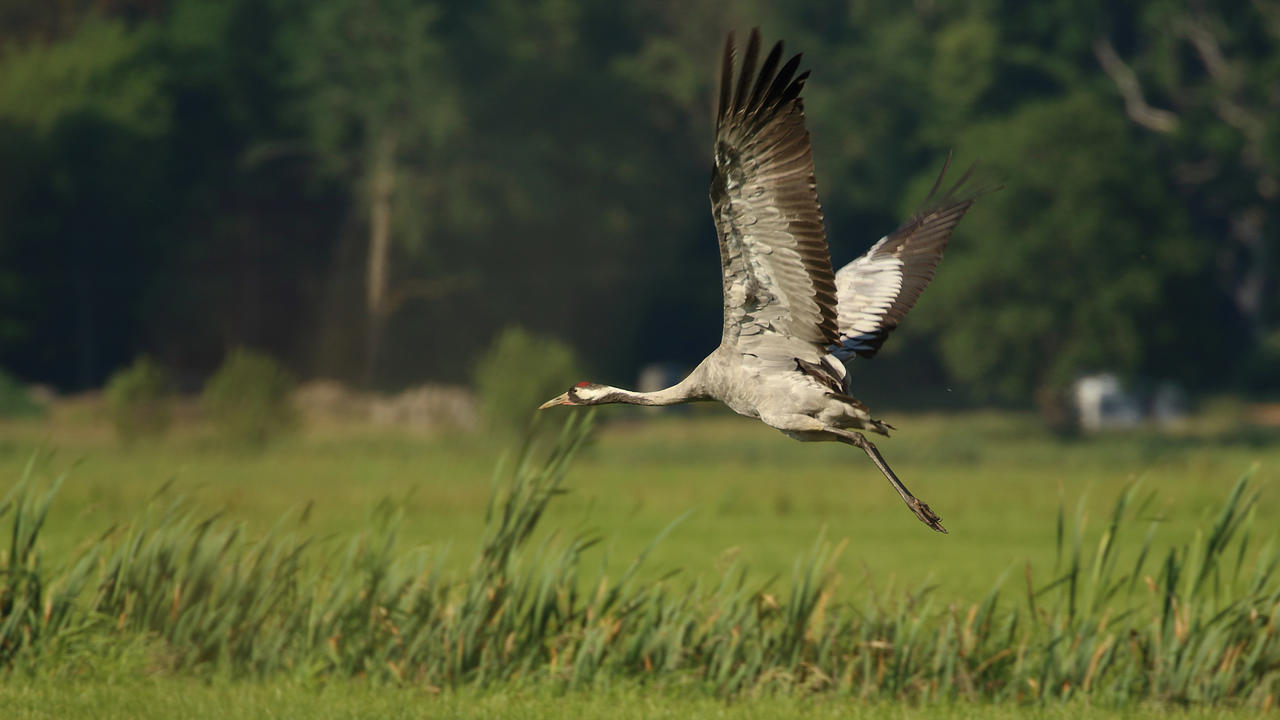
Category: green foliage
[34,616]
[1195,624]
[81,120]
[249,398]
[1263,368]
[519,372]
[374,89]
[965,62]
[570,138]
[373,68]
[15,400]
[140,400]
[99,71]
[1073,266]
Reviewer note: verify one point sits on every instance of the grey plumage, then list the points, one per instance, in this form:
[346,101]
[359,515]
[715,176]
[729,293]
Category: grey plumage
[789,320]
[773,252]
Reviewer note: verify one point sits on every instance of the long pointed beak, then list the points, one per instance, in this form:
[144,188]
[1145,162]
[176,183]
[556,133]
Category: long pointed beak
[561,400]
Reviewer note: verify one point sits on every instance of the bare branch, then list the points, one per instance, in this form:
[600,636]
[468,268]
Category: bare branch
[1227,80]
[1135,105]
[1206,45]
[1269,10]
[1225,76]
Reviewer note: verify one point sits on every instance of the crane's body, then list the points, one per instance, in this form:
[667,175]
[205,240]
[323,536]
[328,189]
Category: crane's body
[790,322]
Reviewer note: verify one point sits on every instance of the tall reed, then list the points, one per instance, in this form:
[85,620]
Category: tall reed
[1194,623]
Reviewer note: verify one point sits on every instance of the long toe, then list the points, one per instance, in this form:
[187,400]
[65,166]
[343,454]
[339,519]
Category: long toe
[926,515]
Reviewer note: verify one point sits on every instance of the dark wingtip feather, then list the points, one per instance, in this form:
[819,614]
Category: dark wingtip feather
[766,74]
[985,185]
[752,92]
[726,79]
[783,82]
[748,70]
[959,183]
[794,89]
[941,174]
[953,195]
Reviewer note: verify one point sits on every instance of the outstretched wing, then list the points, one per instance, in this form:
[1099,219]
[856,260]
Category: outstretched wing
[779,289]
[878,289]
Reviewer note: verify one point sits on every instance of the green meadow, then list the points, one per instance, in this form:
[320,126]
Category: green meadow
[746,493]
[774,577]
[177,697]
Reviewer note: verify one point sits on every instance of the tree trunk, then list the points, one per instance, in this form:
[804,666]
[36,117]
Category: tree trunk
[381,188]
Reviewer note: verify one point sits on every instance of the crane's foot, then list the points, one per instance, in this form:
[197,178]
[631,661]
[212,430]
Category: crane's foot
[926,515]
[922,511]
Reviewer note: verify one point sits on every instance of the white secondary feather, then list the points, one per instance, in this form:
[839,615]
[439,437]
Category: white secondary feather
[867,289]
[878,289]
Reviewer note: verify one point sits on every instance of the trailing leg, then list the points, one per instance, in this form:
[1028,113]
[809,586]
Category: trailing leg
[921,510]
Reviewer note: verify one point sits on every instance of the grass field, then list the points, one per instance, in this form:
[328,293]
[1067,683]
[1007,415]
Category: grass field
[194,700]
[752,494]
[748,496]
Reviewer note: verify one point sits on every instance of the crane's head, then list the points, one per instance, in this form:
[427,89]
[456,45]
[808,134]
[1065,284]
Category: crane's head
[584,393]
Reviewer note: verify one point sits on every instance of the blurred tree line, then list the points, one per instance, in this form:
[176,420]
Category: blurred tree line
[371,189]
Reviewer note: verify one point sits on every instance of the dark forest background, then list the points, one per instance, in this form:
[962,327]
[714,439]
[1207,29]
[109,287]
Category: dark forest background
[370,190]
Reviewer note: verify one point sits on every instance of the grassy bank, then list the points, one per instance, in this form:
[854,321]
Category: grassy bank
[1123,618]
[168,697]
[754,496]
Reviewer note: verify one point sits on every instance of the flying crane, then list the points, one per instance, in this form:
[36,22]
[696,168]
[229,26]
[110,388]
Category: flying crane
[790,322]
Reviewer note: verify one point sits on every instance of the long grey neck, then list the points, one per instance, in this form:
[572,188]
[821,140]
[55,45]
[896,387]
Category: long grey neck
[691,389]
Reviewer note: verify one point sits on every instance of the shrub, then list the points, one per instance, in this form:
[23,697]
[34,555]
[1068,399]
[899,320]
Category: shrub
[249,398]
[1262,365]
[518,373]
[15,400]
[140,400]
